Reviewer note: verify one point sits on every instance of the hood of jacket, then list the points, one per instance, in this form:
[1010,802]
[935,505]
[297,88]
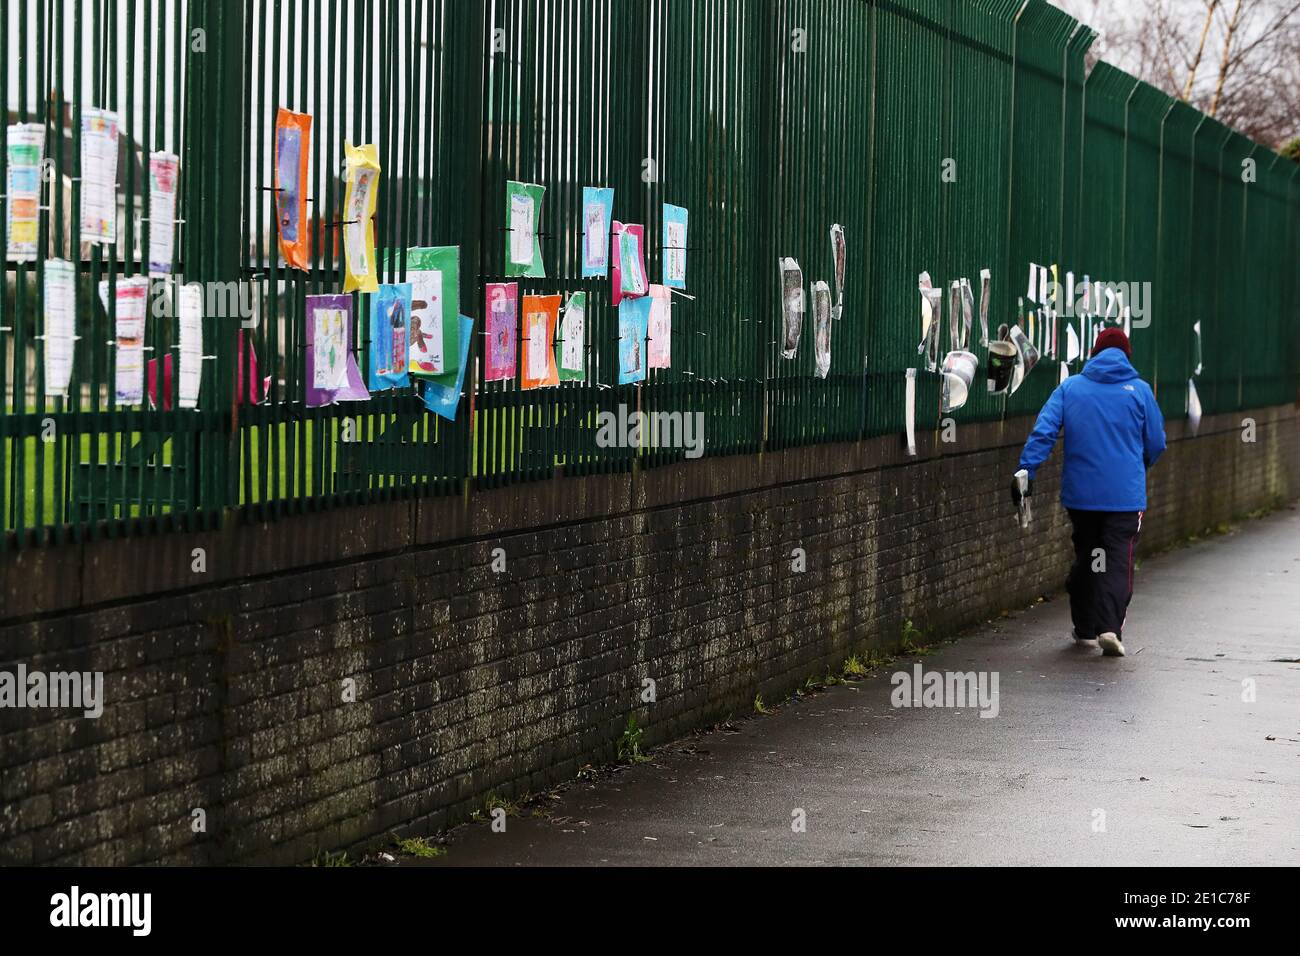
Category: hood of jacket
[1110,365]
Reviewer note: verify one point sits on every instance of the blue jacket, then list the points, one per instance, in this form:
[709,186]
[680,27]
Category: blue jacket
[1114,432]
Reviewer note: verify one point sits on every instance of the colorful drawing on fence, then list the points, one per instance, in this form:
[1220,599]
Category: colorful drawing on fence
[189,311]
[523,216]
[676,220]
[130,299]
[633,328]
[444,400]
[390,321]
[597,217]
[60,310]
[540,313]
[99,134]
[821,307]
[292,156]
[362,166]
[24,154]
[659,332]
[839,256]
[502,323]
[792,307]
[434,274]
[628,272]
[332,372]
[164,170]
[572,343]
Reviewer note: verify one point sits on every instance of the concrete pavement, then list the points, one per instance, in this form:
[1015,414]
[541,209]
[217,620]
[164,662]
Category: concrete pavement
[1150,759]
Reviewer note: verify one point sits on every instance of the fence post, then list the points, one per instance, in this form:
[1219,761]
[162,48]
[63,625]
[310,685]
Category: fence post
[213,139]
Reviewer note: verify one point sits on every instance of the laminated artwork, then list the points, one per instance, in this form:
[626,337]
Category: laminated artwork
[985,278]
[540,313]
[957,375]
[1026,357]
[931,315]
[1031,290]
[909,406]
[444,400]
[131,299]
[292,155]
[332,374]
[1024,507]
[839,256]
[502,321]
[954,314]
[792,307]
[24,155]
[362,176]
[164,170]
[1002,366]
[1193,409]
[572,340]
[674,246]
[60,310]
[597,219]
[390,330]
[523,214]
[99,134]
[1196,328]
[821,308]
[434,340]
[633,329]
[1065,371]
[628,272]
[189,313]
[1043,293]
[1072,350]
[660,327]
[967,313]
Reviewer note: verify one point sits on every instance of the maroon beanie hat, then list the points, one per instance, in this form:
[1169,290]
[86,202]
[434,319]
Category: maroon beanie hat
[1112,338]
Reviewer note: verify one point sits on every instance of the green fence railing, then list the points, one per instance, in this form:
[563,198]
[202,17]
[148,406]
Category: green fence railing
[948,136]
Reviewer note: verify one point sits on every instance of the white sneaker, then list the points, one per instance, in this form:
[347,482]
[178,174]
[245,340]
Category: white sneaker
[1082,641]
[1110,645]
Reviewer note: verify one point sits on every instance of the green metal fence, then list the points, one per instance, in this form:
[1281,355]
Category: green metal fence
[943,135]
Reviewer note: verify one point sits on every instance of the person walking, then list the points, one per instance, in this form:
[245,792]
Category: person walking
[1114,432]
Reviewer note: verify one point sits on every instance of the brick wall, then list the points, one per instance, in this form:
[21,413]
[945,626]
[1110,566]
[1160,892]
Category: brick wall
[224,688]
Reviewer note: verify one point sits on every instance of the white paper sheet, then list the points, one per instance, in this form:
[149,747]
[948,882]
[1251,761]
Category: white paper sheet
[163,171]
[60,325]
[23,190]
[99,135]
[330,350]
[131,300]
[190,318]
[522,239]
[536,346]
[597,244]
[573,333]
[426,347]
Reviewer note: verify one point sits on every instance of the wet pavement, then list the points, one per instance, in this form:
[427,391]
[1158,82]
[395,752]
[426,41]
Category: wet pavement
[1154,758]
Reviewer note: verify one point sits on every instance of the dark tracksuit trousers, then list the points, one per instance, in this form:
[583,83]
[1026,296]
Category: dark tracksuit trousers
[1101,581]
